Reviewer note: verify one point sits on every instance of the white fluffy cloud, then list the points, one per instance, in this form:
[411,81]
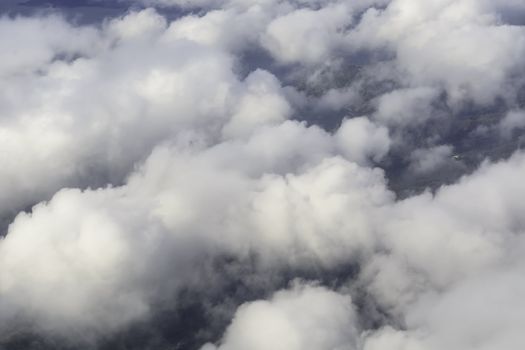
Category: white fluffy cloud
[361,140]
[27,44]
[437,252]
[305,317]
[460,46]
[307,35]
[144,148]
[479,313]
[280,193]
[441,248]
[406,107]
[79,128]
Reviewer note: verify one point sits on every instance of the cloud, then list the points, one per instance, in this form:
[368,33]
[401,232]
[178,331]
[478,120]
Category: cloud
[462,318]
[361,140]
[79,128]
[406,107]
[29,43]
[425,161]
[513,120]
[458,46]
[213,152]
[263,103]
[306,35]
[305,317]
[177,205]
[434,243]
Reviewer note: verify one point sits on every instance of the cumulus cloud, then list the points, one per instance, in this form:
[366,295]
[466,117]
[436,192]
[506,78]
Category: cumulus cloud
[29,43]
[170,87]
[361,140]
[176,202]
[307,35]
[405,106]
[147,156]
[305,317]
[461,47]
[462,318]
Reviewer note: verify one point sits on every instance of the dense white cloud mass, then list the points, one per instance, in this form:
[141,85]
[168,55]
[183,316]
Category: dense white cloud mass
[307,35]
[360,139]
[463,230]
[406,107]
[461,46]
[305,317]
[109,241]
[147,156]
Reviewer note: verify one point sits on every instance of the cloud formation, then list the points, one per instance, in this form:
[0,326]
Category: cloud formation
[354,167]
[305,317]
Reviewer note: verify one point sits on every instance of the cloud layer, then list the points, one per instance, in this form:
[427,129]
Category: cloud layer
[313,174]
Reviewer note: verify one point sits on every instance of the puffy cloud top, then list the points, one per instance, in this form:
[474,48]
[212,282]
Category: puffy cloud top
[311,174]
